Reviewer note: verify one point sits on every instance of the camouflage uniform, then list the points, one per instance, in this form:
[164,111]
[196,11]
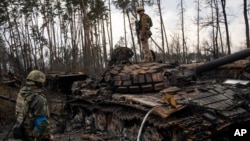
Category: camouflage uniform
[32,104]
[144,35]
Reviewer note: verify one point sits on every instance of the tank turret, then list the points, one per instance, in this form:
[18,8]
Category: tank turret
[146,77]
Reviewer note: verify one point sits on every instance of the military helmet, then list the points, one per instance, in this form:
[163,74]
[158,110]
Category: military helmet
[36,76]
[138,9]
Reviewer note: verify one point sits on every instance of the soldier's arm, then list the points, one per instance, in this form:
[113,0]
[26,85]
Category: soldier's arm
[41,122]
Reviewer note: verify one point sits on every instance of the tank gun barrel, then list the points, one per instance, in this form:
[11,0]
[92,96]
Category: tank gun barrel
[218,62]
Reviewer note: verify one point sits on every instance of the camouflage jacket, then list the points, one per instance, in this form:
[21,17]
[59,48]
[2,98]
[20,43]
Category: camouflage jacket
[32,104]
[144,25]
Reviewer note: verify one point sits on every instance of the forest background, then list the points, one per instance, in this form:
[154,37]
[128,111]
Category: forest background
[80,35]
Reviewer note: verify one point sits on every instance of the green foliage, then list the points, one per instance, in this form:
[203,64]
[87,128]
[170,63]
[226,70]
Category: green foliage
[29,6]
[3,9]
[98,10]
[121,4]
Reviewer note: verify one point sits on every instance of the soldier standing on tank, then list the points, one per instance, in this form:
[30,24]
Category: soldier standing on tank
[144,33]
[32,109]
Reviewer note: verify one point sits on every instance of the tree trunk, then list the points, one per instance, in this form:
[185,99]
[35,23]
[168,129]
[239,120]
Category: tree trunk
[125,32]
[74,49]
[213,31]
[223,4]
[217,28]
[183,34]
[111,32]
[198,32]
[246,24]
[86,23]
[104,45]
[162,29]
[132,36]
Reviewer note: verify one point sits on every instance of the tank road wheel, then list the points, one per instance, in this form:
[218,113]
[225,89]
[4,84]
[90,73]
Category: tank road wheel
[100,120]
[83,117]
[177,135]
[131,133]
[115,125]
[151,134]
[88,120]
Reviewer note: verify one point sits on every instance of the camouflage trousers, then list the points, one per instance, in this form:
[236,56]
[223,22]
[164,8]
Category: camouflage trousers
[147,56]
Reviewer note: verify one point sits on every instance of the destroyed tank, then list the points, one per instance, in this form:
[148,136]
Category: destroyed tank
[164,102]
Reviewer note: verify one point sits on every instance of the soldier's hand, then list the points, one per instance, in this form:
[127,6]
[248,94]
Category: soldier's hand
[142,39]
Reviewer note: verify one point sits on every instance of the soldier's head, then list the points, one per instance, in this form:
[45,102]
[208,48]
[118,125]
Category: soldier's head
[35,77]
[140,10]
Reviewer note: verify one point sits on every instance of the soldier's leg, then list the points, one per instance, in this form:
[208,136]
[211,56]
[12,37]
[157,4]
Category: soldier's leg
[147,53]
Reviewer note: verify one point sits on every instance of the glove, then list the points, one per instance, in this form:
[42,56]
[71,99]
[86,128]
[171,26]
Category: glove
[142,39]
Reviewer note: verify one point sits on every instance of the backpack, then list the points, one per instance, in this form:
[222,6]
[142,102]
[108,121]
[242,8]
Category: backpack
[18,129]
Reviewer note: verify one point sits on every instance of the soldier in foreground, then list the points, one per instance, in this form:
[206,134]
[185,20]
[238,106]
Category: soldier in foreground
[143,28]
[32,109]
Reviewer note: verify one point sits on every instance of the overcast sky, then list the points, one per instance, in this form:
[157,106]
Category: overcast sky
[172,23]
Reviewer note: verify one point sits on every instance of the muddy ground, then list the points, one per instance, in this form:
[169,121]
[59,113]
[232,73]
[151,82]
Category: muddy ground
[66,136]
